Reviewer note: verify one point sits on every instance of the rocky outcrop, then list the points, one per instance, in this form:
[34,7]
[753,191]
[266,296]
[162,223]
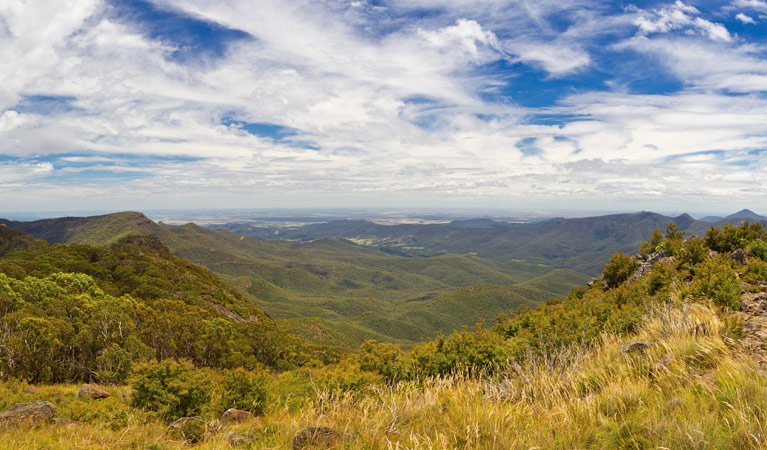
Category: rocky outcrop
[93,391]
[753,313]
[317,437]
[32,413]
[645,263]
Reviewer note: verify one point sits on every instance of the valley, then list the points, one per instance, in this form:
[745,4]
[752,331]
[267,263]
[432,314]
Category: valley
[340,283]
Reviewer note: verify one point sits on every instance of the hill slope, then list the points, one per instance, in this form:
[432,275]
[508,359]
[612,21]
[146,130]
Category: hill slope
[94,310]
[354,292]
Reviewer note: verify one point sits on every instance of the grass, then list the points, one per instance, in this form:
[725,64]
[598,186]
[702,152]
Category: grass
[693,388]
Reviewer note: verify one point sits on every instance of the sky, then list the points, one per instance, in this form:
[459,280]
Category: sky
[544,104]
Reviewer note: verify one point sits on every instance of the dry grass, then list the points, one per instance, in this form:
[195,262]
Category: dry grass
[691,389]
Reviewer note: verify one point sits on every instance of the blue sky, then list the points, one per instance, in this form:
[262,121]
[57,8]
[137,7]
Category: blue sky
[145,104]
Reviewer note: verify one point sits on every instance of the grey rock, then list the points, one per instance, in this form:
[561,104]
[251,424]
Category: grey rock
[32,413]
[317,437]
[636,347]
[739,256]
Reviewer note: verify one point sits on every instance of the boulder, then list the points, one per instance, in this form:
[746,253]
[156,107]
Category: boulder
[233,415]
[317,437]
[635,347]
[92,391]
[739,256]
[236,439]
[32,413]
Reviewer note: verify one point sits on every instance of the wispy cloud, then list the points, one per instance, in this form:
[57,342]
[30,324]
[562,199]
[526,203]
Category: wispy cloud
[351,103]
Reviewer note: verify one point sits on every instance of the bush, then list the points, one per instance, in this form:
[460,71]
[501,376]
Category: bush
[172,389]
[717,280]
[758,248]
[384,358]
[244,389]
[652,244]
[619,269]
[755,271]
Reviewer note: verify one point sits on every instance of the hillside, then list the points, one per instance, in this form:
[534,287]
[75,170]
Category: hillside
[661,351]
[130,300]
[352,292]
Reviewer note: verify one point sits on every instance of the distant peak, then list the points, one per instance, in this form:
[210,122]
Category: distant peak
[745,214]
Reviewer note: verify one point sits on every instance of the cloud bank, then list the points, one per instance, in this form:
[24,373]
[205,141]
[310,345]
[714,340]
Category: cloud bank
[507,103]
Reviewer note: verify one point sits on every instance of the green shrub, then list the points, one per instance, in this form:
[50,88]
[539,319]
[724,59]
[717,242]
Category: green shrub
[172,389]
[652,244]
[619,269]
[717,280]
[245,389]
[692,253]
[462,350]
[755,271]
[758,248]
[384,358]
[730,238]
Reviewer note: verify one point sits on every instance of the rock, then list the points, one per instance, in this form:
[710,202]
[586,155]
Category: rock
[646,262]
[739,256]
[93,391]
[317,437]
[32,413]
[236,439]
[237,416]
[636,347]
[187,429]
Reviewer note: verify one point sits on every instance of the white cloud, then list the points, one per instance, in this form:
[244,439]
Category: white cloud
[680,16]
[556,58]
[752,4]
[745,19]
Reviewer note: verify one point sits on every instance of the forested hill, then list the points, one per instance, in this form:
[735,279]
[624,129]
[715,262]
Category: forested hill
[90,311]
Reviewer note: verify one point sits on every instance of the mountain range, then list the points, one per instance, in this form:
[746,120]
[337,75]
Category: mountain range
[342,282]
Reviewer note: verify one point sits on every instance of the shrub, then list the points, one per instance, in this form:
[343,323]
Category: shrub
[693,253]
[755,271]
[652,244]
[758,248]
[244,389]
[717,280]
[384,358]
[619,269]
[172,389]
